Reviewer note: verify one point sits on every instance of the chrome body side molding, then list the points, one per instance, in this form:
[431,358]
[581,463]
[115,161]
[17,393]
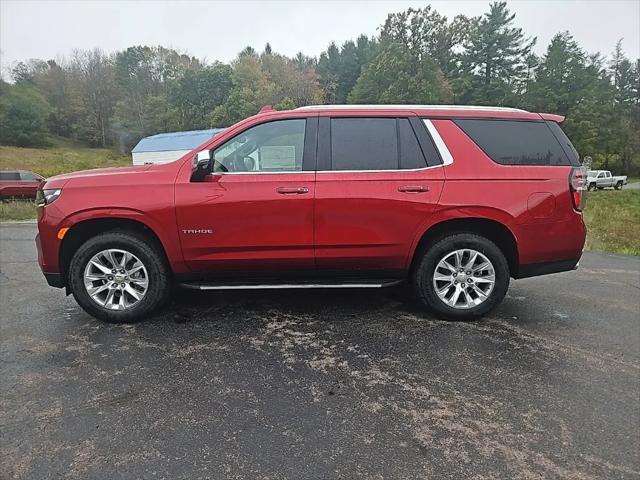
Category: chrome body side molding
[285,286]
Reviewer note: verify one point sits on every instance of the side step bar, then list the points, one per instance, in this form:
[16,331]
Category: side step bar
[274,286]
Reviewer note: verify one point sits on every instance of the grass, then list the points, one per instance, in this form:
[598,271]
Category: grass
[613,221]
[62,158]
[14,210]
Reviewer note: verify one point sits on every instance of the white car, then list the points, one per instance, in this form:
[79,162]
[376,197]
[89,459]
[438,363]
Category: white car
[602,179]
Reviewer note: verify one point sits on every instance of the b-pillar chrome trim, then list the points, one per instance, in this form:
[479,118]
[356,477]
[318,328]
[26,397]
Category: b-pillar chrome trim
[447,158]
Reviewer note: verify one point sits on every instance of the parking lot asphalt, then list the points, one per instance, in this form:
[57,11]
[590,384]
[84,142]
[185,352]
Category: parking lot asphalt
[322,384]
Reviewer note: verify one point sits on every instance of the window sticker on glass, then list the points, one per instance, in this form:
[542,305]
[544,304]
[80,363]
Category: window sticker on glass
[278,157]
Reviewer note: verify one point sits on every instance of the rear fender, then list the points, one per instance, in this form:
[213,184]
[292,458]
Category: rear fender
[462,213]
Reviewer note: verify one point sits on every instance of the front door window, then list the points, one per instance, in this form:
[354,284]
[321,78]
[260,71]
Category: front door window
[268,147]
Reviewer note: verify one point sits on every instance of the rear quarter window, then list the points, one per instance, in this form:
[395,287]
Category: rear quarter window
[511,142]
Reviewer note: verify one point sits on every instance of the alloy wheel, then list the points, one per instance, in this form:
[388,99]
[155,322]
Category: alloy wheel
[116,279]
[464,278]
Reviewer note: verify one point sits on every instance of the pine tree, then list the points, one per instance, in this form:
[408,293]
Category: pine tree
[495,55]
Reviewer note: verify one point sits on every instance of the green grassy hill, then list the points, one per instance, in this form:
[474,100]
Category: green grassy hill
[62,157]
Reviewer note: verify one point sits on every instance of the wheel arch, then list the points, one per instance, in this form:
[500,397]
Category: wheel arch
[83,230]
[492,229]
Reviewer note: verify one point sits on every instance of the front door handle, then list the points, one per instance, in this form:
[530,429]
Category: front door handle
[413,189]
[292,190]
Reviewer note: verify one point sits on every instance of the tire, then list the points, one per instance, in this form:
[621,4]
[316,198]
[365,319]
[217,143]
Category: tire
[154,273]
[618,186]
[425,269]
[592,187]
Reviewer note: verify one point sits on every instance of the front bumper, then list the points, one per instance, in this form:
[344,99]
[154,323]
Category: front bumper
[54,279]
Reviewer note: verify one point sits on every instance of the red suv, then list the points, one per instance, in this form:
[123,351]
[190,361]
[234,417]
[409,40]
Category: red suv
[451,200]
[19,184]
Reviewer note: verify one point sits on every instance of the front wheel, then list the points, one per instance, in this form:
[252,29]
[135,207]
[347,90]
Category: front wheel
[461,277]
[119,277]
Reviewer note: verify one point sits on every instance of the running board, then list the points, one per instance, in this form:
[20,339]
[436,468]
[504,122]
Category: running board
[274,286]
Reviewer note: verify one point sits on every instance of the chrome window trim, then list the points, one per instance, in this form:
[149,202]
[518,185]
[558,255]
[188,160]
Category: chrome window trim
[329,171]
[445,154]
[399,170]
[258,172]
[447,158]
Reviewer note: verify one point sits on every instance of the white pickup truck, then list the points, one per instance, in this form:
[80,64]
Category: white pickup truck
[602,179]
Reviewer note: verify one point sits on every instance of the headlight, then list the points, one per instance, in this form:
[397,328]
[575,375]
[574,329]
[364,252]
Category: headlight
[45,197]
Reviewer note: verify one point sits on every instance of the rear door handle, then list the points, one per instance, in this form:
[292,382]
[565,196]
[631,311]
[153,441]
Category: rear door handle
[413,189]
[292,190]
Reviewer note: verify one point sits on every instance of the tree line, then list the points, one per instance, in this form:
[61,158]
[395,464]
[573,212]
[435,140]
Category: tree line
[418,57]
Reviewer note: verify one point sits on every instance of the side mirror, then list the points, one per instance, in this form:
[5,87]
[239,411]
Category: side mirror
[201,165]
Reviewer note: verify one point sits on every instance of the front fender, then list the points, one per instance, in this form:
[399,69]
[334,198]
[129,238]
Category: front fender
[167,237]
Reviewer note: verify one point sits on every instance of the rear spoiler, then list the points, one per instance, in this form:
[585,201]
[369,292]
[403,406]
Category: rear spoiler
[551,117]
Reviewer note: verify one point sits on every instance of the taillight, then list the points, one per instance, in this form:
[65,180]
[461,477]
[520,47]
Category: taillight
[578,186]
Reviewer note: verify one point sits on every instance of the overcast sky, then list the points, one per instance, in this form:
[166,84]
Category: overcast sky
[219,30]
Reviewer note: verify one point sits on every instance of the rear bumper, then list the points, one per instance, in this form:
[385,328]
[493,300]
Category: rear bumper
[545,268]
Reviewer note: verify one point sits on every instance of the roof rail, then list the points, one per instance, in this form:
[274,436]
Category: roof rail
[412,107]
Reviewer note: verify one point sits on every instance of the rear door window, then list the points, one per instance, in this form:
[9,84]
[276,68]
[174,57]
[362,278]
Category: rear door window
[511,142]
[411,156]
[369,144]
[364,144]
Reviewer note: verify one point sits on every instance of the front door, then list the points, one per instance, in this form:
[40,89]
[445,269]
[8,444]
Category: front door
[254,213]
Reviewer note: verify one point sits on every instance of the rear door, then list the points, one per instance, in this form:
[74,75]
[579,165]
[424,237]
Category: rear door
[378,181]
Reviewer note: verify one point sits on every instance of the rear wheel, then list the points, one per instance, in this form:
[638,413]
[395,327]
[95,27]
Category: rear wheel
[592,187]
[118,277]
[619,186]
[461,277]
